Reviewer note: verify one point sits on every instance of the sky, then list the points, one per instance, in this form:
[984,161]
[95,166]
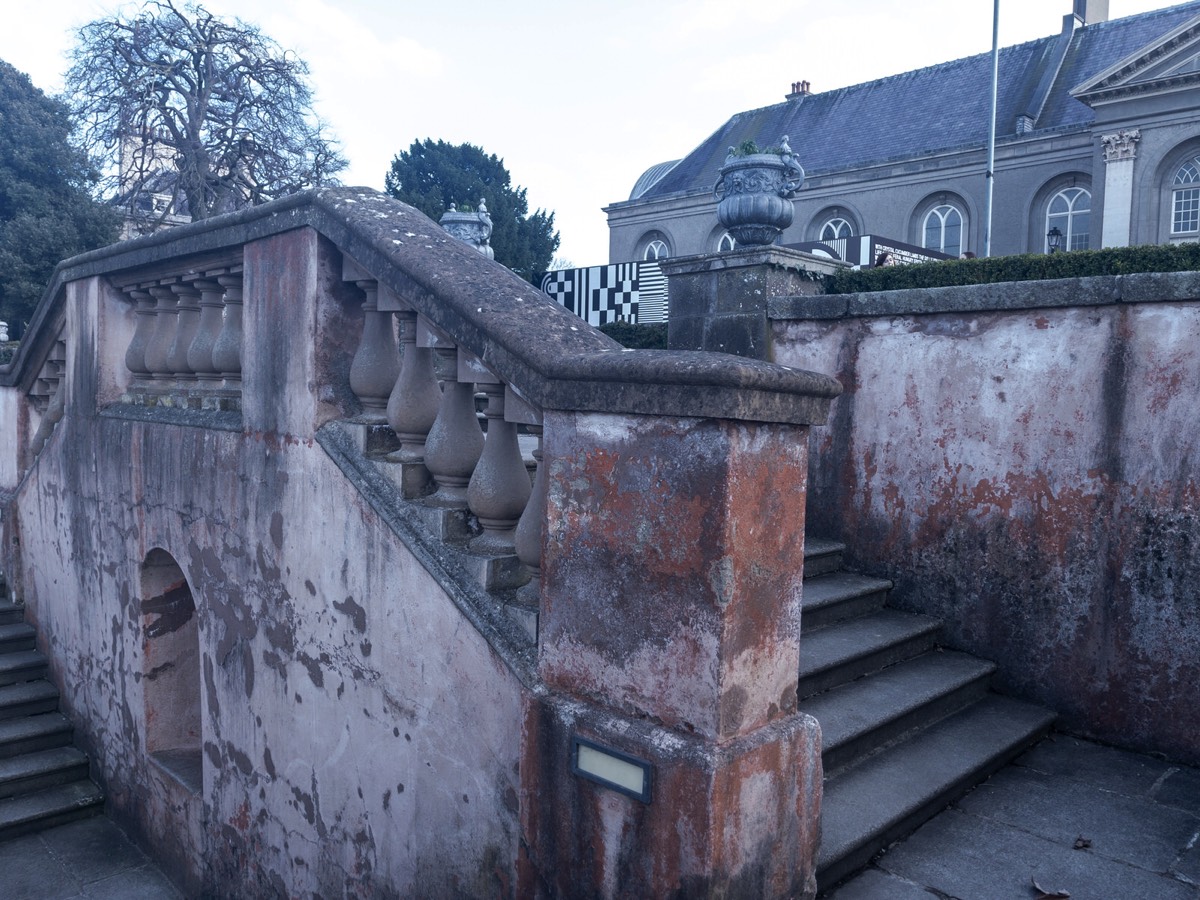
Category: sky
[578,99]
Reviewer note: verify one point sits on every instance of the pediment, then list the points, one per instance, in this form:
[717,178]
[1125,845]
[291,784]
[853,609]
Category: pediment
[1168,63]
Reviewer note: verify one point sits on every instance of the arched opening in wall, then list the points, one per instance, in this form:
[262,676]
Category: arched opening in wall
[171,670]
[653,246]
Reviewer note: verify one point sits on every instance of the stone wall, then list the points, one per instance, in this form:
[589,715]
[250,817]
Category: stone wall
[1024,461]
[357,735]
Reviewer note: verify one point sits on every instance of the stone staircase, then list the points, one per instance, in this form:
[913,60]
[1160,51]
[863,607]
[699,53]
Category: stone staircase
[907,726]
[43,778]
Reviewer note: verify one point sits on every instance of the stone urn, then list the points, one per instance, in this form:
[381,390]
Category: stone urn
[474,228]
[754,193]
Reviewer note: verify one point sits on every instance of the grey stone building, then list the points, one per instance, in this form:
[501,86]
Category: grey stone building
[1098,135]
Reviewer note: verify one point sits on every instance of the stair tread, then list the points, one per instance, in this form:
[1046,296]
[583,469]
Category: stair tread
[21,659]
[26,692]
[835,587]
[63,798]
[870,802]
[16,631]
[824,648]
[851,710]
[41,761]
[814,546]
[33,726]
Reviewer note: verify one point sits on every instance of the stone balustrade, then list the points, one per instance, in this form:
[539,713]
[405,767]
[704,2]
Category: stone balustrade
[640,592]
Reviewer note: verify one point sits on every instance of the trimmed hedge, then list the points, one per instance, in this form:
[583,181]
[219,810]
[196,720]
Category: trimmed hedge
[1026,267]
[637,337]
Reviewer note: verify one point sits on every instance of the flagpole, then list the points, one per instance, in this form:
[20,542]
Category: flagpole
[991,160]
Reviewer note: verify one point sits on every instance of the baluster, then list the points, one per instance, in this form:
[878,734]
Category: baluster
[227,351]
[530,529]
[376,363]
[158,351]
[499,487]
[200,352]
[188,321]
[413,406]
[135,356]
[455,441]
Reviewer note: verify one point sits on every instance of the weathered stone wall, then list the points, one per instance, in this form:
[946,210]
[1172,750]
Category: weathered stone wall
[1025,463]
[359,736]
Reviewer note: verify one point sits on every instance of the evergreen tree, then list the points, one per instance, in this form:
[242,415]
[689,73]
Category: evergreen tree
[432,175]
[47,212]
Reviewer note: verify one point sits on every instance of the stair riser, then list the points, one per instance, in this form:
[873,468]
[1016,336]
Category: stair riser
[16,676]
[822,565]
[12,616]
[30,708]
[12,645]
[850,752]
[851,669]
[43,780]
[842,610]
[16,829]
[33,743]
[835,871]
[855,668]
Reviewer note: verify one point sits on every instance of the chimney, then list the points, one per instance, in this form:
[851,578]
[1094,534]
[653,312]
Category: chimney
[1085,12]
[799,89]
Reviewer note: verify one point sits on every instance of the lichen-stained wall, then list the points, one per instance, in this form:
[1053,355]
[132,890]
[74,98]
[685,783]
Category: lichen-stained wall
[360,737]
[1032,476]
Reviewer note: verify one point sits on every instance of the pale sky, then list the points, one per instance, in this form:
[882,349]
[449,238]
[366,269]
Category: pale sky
[578,99]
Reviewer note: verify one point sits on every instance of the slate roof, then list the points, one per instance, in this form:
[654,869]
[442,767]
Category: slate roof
[938,108]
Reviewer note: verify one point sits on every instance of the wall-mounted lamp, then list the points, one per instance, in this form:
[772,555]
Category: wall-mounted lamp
[611,768]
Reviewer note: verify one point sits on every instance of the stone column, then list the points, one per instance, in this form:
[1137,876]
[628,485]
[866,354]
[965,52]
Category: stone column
[669,756]
[1120,151]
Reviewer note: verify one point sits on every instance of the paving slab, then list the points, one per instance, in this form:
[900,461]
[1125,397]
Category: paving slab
[1121,828]
[93,849]
[1119,771]
[1180,789]
[874,884]
[963,855]
[29,871]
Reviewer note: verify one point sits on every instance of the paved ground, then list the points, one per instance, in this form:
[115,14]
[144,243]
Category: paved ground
[86,860]
[1076,817]
[1088,821]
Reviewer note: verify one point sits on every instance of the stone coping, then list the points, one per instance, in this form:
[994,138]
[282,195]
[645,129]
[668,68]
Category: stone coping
[550,356]
[1101,290]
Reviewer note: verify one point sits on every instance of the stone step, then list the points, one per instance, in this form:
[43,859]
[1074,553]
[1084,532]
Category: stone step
[50,807]
[11,613]
[17,636]
[821,556]
[869,806]
[867,715]
[27,698]
[840,653]
[840,595]
[31,772]
[22,665]
[33,733]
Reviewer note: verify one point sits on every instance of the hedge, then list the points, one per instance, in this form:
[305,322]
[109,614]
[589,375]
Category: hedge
[1026,267]
[637,337]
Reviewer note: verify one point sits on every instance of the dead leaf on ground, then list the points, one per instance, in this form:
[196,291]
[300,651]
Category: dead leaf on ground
[1082,843]
[1043,894]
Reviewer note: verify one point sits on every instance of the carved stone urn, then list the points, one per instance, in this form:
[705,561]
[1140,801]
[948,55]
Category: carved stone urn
[474,228]
[754,193]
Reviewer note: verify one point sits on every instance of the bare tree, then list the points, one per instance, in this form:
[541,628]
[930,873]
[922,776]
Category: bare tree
[191,115]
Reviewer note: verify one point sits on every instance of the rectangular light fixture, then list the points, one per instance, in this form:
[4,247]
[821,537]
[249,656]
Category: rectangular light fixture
[611,768]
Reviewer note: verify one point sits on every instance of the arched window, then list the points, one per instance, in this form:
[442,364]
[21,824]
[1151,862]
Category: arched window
[835,229]
[656,249]
[1070,211]
[726,243]
[1185,199]
[943,230]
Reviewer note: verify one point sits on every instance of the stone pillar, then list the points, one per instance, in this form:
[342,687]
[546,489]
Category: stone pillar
[1120,151]
[719,301]
[669,757]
